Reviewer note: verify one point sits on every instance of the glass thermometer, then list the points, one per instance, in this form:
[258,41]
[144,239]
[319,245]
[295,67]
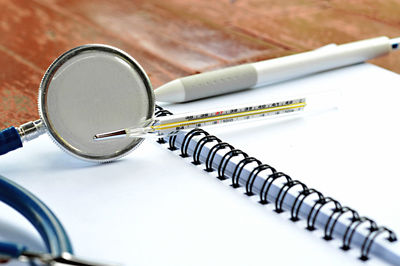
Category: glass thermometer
[171,125]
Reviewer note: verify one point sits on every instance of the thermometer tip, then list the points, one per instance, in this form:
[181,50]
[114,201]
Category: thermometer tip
[110,135]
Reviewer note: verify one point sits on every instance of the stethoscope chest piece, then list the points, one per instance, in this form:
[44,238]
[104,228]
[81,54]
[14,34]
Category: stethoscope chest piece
[91,89]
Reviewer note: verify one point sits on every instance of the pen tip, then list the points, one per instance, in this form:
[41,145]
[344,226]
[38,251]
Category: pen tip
[110,135]
[171,92]
[395,43]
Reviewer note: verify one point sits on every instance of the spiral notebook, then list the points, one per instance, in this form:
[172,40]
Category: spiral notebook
[280,191]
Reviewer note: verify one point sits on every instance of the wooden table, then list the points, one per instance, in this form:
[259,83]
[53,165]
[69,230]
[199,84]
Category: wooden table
[175,38]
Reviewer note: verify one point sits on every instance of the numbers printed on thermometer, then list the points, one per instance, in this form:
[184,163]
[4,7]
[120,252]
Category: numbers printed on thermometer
[231,115]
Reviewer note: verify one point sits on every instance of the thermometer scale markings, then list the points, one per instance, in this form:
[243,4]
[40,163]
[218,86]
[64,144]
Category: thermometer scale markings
[234,115]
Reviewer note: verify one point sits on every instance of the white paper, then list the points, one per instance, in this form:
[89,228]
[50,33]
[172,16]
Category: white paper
[155,208]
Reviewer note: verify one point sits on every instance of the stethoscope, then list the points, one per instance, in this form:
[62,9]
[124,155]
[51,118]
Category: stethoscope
[57,242]
[87,90]
[92,90]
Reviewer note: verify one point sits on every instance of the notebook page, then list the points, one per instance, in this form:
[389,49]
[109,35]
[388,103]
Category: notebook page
[155,208]
[347,152]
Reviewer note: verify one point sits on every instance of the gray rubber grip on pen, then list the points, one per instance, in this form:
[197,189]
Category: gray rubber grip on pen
[219,81]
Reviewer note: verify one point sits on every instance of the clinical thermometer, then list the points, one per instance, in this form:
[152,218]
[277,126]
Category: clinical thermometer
[171,125]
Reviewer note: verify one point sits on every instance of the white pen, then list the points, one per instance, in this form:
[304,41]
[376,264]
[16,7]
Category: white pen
[267,72]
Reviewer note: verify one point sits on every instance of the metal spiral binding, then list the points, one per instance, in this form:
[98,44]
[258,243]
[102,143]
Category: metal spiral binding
[338,211]
[366,246]
[283,192]
[172,143]
[329,228]
[159,111]
[253,175]
[239,168]
[267,185]
[188,138]
[225,160]
[350,230]
[213,152]
[294,213]
[312,216]
[199,147]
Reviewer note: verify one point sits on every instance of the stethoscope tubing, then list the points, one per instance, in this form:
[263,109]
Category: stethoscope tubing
[39,215]
[9,140]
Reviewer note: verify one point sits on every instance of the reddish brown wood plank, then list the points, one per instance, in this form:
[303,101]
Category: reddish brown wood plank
[39,34]
[18,83]
[386,11]
[136,28]
[188,43]
[299,25]
[175,38]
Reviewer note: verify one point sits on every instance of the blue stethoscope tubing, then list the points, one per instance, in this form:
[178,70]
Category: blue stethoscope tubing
[39,215]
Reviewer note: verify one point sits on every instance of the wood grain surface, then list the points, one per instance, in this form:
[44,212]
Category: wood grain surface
[175,38]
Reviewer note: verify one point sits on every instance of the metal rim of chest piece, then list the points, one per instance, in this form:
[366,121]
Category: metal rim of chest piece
[146,96]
